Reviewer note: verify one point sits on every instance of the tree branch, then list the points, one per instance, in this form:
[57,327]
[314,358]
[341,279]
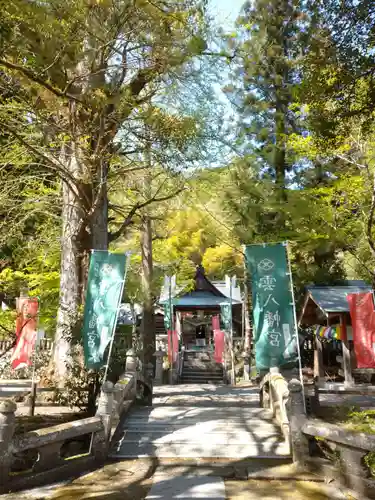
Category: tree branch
[129,218]
[40,81]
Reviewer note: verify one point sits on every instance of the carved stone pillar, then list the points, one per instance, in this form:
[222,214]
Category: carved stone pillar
[159,366]
[131,361]
[246,365]
[297,418]
[106,407]
[7,424]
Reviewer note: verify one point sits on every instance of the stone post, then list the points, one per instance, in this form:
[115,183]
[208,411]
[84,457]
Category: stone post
[150,371]
[132,366]
[106,407]
[246,365]
[131,361]
[297,418]
[159,354]
[7,424]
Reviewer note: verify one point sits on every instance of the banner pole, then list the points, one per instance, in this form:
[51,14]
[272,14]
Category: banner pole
[33,384]
[171,330]
[231,331]
[295,323]
[115,322]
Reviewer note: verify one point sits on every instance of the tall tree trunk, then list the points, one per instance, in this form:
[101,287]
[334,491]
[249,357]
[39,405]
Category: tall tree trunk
[72,257]
[99,219]
[148,318]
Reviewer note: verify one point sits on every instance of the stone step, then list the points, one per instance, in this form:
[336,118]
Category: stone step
[189,435]
[189,380]
[269,448]
[205,375]
[195,425]
[205,412]
[201,361]
[201,366]
[208,368]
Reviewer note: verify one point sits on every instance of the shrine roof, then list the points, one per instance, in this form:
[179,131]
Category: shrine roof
[200,299]
[329,299]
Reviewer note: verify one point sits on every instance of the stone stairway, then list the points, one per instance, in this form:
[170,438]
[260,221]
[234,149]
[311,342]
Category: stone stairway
[200,367]
[201,422]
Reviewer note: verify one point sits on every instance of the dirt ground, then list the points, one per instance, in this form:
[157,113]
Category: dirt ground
[283,490]
[132,479]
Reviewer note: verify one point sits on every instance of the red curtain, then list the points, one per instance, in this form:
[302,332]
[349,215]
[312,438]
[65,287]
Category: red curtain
[362,312]
[26,324]
[172,353]
[219,345]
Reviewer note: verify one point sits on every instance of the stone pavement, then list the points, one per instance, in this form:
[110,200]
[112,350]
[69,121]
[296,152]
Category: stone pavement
[138,480]
[187,486]
[201,421]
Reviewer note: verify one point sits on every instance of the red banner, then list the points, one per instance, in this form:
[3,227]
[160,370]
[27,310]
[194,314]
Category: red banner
[26,325]
[219,345]
[362,312]
[215,323]
[172,349]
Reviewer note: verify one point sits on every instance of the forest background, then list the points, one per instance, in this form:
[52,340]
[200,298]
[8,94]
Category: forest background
[154,127]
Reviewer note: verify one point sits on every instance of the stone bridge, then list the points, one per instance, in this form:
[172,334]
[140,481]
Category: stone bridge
[213,431]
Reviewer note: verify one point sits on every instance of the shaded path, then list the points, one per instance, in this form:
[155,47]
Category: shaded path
[202,422]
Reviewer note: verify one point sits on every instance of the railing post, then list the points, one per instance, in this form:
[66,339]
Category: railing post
[132,366]
[105,407]
[297,418]
[7,425]
[131,361]
[159,354]
[246,365]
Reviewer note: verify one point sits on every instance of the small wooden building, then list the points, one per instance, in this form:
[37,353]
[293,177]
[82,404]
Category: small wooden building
[327,306]
[194,308]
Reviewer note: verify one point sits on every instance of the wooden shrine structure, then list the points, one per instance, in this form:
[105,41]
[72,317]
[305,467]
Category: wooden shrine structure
[327,306]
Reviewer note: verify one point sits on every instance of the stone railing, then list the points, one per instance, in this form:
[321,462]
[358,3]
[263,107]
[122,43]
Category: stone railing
[228,360]
[327,449]
[43,345]
[181,356]
[46,344]
[238,344]
[274,394]
[40,452]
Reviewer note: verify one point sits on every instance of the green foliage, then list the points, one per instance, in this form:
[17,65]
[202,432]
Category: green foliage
[370,462]
[362,421]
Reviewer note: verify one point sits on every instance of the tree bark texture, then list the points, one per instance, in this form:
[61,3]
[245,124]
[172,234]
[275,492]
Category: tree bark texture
[72,257]
[148,318]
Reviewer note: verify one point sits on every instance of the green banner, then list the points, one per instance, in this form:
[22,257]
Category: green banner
[273,309]
[226,316]
[104,289]
[168,308]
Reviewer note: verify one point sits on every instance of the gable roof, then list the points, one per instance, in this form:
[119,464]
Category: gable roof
[204,294]
[331,299]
